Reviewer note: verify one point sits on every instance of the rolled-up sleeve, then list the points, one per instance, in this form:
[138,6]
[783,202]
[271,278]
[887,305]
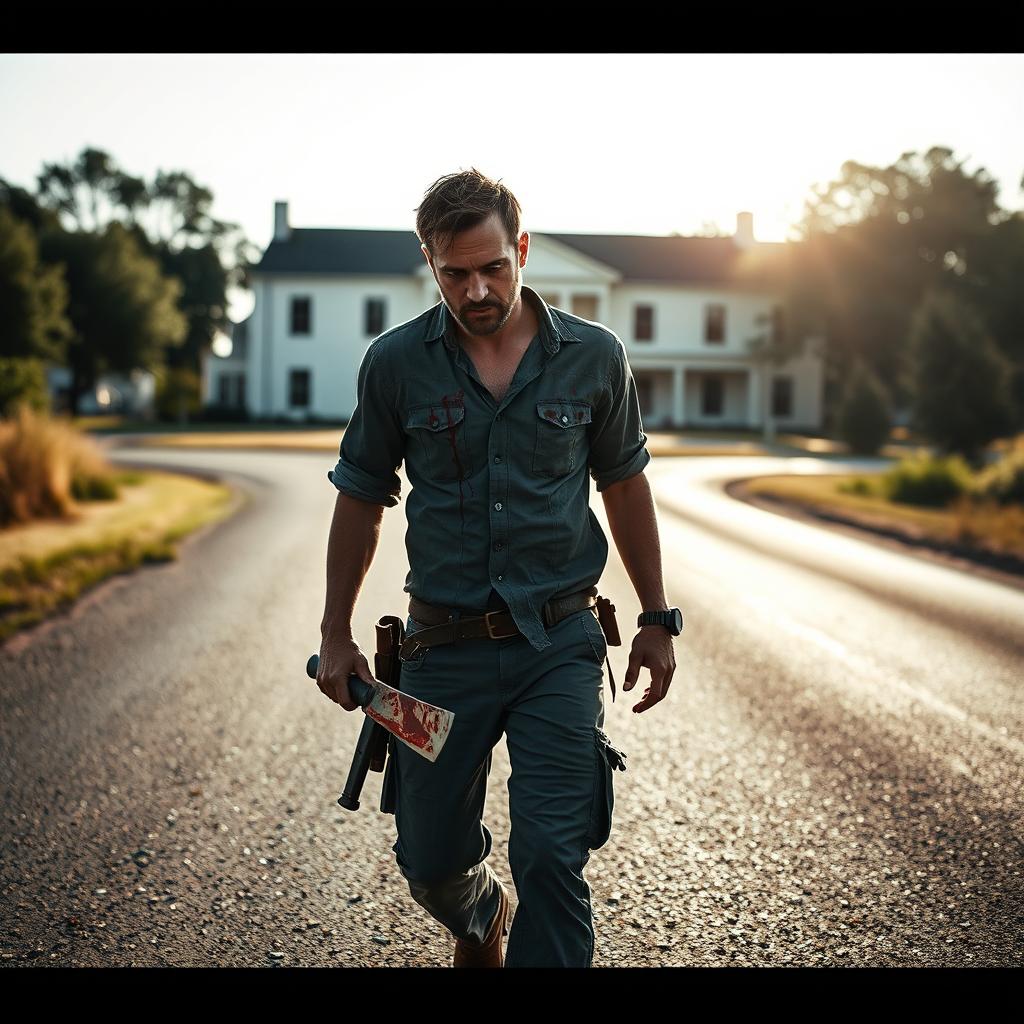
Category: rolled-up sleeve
[373,445]
[618,444]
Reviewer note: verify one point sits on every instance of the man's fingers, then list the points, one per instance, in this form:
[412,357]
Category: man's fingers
[636,660]
[652,695]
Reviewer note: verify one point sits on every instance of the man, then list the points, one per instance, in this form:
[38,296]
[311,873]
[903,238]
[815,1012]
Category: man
[500,406]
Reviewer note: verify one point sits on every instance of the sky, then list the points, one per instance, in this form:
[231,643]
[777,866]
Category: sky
[603,143]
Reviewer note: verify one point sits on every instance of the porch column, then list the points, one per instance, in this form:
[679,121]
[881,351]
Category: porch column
[753,397]
[678,395]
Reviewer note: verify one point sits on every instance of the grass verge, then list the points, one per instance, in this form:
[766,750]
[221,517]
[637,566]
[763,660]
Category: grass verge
[47,564]
[965,527]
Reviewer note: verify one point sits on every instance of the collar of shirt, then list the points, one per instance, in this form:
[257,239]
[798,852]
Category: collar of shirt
[553,331]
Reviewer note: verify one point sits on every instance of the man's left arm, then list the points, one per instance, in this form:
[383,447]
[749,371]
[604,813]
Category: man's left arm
[634,526]
[618,457]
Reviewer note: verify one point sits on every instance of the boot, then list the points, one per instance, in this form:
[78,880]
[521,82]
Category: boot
[489,953]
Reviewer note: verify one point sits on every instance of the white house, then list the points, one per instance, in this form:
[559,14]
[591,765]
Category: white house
[684,307]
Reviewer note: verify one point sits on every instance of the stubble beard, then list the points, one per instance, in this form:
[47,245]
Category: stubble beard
[473,325]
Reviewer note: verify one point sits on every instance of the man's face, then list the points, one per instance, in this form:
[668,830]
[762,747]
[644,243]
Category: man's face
[479,275]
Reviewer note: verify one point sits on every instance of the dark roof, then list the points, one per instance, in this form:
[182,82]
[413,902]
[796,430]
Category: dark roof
[671,258]
[343,251]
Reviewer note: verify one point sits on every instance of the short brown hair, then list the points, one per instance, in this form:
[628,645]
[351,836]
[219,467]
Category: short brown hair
[462,200]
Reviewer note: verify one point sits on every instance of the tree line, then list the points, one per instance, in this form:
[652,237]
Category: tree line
[102,271]
[911,274]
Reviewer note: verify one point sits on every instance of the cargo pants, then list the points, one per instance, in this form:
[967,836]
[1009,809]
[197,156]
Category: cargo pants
[550,706]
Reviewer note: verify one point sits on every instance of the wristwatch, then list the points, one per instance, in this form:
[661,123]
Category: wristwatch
[670,618]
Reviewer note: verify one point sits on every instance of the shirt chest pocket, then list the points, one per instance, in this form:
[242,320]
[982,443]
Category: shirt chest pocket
[561,437]
[439,437]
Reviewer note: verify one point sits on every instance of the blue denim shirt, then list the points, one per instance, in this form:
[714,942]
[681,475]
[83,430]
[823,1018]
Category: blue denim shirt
[498,510]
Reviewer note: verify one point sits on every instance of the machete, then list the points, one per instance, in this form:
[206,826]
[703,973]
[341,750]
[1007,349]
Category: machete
[421,726]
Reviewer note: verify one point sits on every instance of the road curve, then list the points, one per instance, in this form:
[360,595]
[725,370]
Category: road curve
[834,777]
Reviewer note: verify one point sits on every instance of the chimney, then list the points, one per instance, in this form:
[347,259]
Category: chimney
[281,230]
[744,237]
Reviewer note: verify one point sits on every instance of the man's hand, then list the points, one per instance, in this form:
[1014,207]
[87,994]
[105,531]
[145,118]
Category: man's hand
[652,648]
[340,657]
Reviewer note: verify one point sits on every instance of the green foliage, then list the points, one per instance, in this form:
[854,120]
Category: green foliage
[23,381]
[858,485]
[962,381]
[128,274]
[931,482]
[876,239]
[863,419]
[93,488]
[33,295]
[1003,481]
[124,311]
[178,393]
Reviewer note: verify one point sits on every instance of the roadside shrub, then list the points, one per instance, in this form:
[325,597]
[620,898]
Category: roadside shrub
[45,465]
[23,381]
[864,419]
[928,481]
[177,394]
[858,485]
[1003,481]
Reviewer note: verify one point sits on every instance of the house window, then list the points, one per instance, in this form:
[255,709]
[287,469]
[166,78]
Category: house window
[782,396]
[231,390]
[585,306]
[643,323]
[302,315]
[714,323]
[298,389]
[376,312]
[711,396]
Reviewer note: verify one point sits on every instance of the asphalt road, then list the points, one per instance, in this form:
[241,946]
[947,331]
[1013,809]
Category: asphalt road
[834,779]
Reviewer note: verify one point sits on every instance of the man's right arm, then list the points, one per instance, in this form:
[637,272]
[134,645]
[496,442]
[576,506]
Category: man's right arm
[372,449]
[355,532]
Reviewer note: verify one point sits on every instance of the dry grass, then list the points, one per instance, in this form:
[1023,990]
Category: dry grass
[45,465]
[45,565]
[970,521]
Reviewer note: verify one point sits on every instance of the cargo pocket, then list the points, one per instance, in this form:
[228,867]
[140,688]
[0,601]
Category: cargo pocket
[389,787]
[608,759]
[560,428]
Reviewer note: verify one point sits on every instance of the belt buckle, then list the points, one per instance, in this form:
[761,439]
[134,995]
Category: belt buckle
[490,631]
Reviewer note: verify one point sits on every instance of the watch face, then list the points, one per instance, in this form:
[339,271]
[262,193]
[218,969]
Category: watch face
[677,619]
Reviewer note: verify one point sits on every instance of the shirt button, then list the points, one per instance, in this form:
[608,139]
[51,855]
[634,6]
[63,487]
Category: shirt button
[498,417]
[497,458]
[497,506]
[565,419]
[499,577]
[497,546]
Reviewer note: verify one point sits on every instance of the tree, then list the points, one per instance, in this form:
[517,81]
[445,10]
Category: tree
[994,289]
[33,296]
[864,418]
[875,240]
[962,392]
[172,221]
[787,326]
[123,310]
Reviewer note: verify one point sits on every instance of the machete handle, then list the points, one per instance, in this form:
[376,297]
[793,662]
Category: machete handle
[360,690]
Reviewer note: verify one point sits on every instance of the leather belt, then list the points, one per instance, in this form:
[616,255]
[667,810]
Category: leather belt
[441,626]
